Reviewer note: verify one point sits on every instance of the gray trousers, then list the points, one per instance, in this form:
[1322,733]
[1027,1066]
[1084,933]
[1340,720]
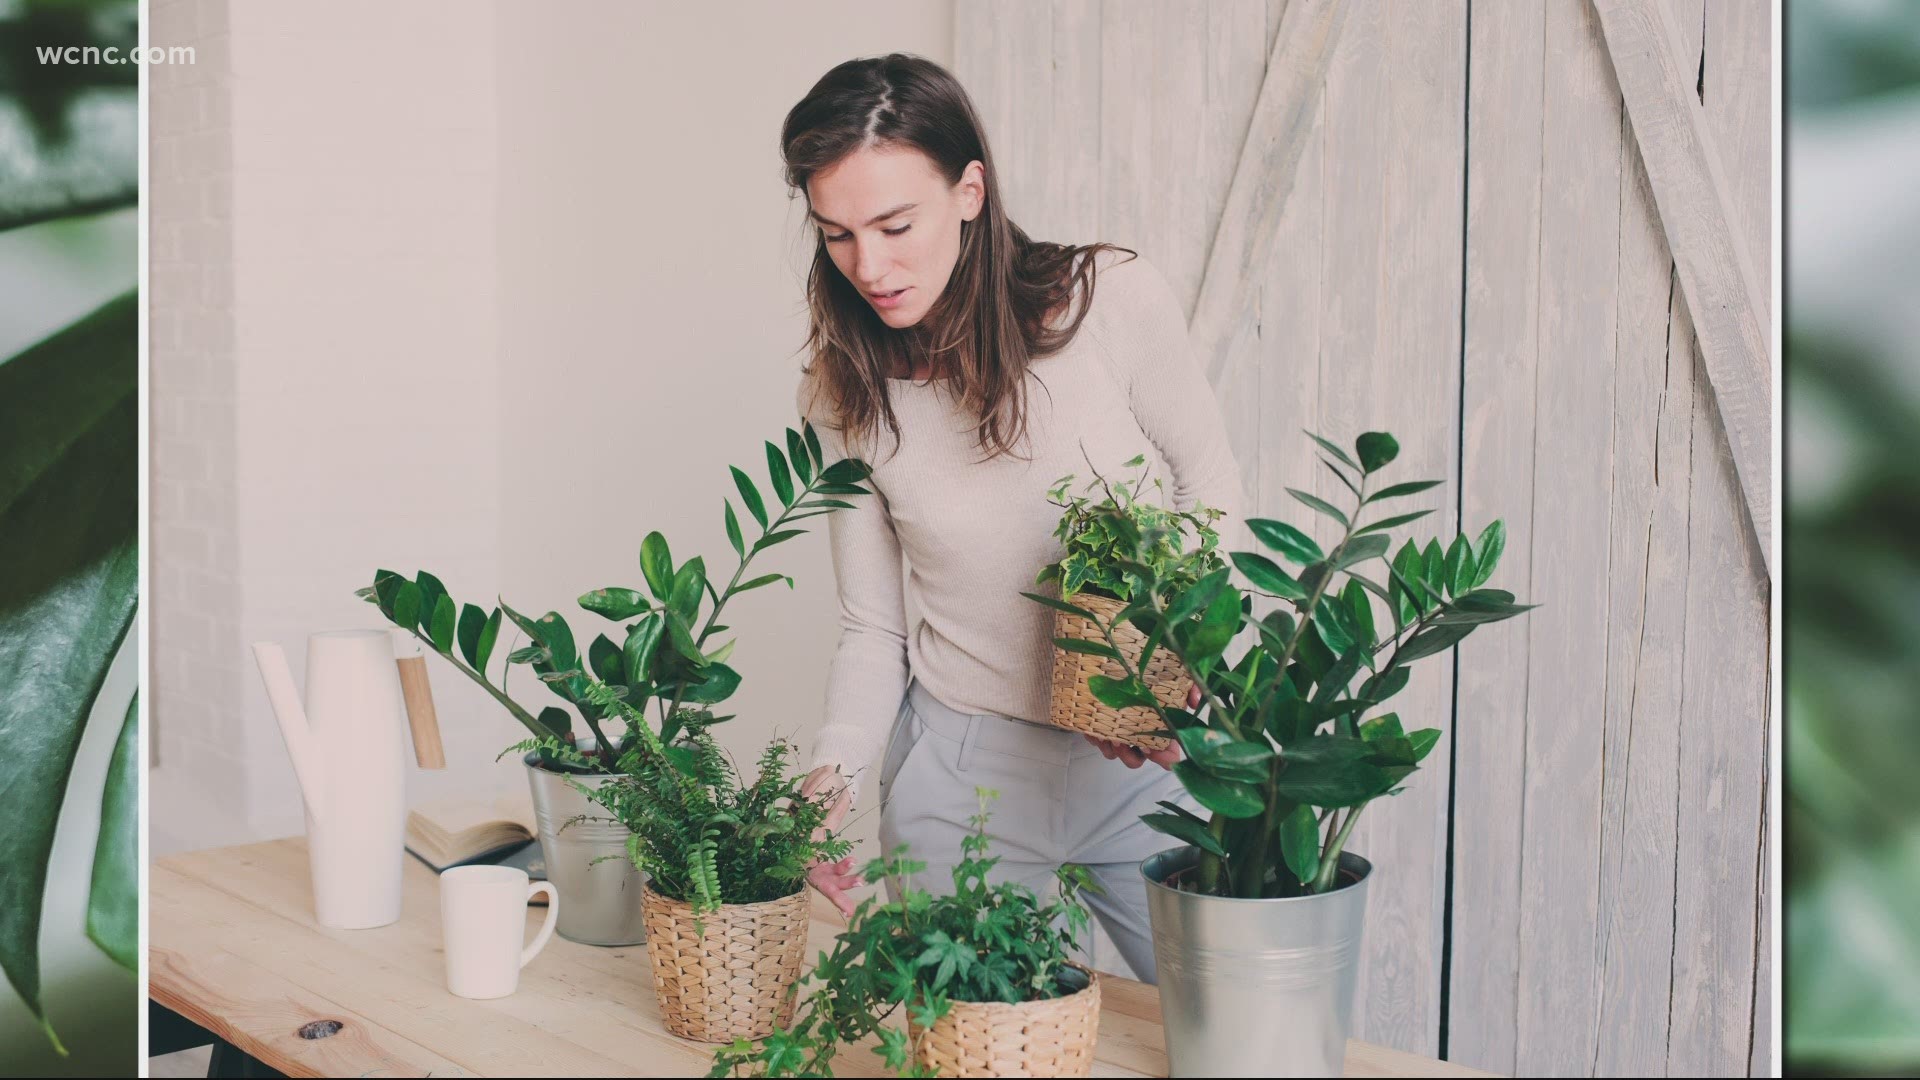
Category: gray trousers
[1060,802]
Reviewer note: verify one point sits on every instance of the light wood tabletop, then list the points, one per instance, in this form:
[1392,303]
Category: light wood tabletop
[235,949]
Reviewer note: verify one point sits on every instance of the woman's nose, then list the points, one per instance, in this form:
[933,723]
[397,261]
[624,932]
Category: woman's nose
[869,265]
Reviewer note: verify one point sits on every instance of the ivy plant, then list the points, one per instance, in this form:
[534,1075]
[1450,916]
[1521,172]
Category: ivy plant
[1287,749]
[663,653]
[1183,549]
[983,942]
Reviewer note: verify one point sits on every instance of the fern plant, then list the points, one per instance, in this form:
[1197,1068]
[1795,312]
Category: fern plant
[981,943]
[701,831]
[1182,549]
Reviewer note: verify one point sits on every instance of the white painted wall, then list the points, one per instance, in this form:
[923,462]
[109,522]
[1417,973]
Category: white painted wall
[476,289]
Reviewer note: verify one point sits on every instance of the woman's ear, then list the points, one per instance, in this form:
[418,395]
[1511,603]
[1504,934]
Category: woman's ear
[973,190]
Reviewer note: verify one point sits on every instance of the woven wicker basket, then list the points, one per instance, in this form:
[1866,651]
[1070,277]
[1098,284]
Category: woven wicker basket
[732,981]
[1073,705]
[1054,1037]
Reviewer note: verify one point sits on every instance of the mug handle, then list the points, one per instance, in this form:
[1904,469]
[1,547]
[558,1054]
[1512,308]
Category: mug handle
[546,928]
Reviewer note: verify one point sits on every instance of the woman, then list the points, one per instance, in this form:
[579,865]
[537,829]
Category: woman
[972,367]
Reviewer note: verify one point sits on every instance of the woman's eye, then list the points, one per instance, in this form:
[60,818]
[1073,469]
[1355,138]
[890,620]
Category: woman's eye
[832,239]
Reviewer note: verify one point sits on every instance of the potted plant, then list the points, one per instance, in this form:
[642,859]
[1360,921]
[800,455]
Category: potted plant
[983,975]
[1257,918]
[1093,576]
[725,896]
[664,656]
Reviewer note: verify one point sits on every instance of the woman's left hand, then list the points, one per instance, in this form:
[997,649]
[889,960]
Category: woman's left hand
[1133,757]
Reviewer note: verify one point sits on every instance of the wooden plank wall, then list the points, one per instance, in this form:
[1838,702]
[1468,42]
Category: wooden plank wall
[1472,259]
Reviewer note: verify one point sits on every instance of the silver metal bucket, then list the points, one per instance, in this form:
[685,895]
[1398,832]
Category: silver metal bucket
[1255,987]
[599,897]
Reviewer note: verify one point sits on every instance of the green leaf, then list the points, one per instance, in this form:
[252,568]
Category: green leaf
[1391,522]
[557,721]
[1340,476]
[406,606]
[1091,648]
[846,471]
[1491,543]
[1300,842]
[813,443]
[643,641]
[489,634]
[773,538]
[1334,623]
[386,588]
[1386,684]
[1360,549]
[750,496]
[681,638]
[1231,798]
[1062,605]
[733,531]
[1265,574]
[113,901]
[797,454]
[656,564]
[763,579]
[603,659]
[1334,449]
[1482,606]
[1386,725]
[1185,829]
[1433,569]
[1320,504]
[1120,693]
[441,631]
[69,570]
[1457,570]
[616,604]
[528,654]
[1377,449]
[1220,755]
[689,585]
[472,622]
[1285,539]
[1412,487]
[718,683]
[431,590]
[1434,639]
[1354,596]
[1423,741]
[1331,770]
[778,472]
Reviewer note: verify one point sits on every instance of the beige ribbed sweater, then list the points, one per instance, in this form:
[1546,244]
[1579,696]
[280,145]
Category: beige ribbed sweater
[974,533]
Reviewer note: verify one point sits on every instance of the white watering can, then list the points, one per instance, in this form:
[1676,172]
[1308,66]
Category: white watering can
[349,755]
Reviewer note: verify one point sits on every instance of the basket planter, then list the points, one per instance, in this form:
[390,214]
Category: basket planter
[1053,1037]
[732,981]
[1073,705]
[1255,987]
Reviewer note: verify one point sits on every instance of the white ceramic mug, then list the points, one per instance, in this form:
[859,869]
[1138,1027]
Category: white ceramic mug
[483,916]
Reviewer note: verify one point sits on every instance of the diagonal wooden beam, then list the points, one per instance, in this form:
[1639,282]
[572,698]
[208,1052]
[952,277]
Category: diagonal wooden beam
[1265,175]
[1723,288]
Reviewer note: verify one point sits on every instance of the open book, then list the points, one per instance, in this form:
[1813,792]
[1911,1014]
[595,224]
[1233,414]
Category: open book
[455,832]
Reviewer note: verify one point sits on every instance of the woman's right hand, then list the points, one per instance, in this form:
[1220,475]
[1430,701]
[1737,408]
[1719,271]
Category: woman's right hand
[833,879]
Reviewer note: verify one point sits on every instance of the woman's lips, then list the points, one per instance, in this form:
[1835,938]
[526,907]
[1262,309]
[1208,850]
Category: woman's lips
[889,300]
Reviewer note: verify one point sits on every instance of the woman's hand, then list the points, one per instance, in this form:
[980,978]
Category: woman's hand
[832,879]
[1133,757]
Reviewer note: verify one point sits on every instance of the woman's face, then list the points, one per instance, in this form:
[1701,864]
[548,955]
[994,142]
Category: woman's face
[891,223]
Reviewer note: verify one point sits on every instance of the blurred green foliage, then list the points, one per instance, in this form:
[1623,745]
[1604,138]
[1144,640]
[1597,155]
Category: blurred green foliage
[1852,620]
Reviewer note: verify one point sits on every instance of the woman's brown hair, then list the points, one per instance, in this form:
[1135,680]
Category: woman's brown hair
[993,318]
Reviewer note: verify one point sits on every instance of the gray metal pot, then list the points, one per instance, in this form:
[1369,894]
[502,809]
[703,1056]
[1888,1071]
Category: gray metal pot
[599,897]
[1255,987]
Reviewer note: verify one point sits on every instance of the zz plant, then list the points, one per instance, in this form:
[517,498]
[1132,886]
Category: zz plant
[1095,552]
[1286,749]
[663,654]
[980,943]
[702,835]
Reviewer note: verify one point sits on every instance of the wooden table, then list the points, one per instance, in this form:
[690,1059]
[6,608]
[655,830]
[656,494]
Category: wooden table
[235,949]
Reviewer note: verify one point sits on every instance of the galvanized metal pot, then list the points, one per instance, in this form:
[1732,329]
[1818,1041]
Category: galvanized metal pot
[1255,987]
[599,897]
